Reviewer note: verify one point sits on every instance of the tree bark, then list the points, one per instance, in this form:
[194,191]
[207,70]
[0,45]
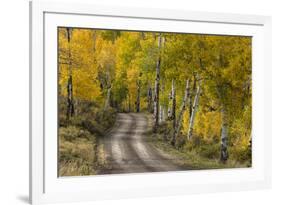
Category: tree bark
[138,97]
[194,109]
[70,104]
[157,85]
[129,102]
[174,112]
[170,104]
[162,106]
[160,114]
[156,105]
[183,108]
[190,95]
[108,96]
[224,136]
[149,100]
[169,113]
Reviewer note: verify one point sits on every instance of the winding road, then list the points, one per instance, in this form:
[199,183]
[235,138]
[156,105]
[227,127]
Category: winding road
[127,150]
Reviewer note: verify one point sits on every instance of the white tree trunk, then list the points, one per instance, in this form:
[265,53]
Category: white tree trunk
[157,85]
[70,103]
[169,113]
[162,106]
[170,105]
[192,92]
[161,114]
[138,96]
[182,110]
[129,102]
[194,109]
[173,112]
[155,104]
[149,100]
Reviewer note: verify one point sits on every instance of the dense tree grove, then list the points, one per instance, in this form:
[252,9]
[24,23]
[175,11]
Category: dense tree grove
[197,86]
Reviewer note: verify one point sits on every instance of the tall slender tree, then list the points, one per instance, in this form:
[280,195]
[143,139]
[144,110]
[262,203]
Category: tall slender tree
[138,95]
[183,108]
[157,85]
[70,103]
[194,110]
[149,100]
[173,141]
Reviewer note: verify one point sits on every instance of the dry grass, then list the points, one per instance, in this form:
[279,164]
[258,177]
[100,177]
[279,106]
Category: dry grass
[77,152]
[80,149]
[202,156]
[191,159]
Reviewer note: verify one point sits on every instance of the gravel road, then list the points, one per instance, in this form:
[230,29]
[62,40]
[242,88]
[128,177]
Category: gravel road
[127,150]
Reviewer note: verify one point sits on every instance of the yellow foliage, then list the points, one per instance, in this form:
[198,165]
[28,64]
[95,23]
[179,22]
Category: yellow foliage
[185,122]
[208,125]
[102,60]
[81,64]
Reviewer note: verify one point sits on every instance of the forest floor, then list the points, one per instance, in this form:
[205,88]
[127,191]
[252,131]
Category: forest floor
[127,145]
[183,157]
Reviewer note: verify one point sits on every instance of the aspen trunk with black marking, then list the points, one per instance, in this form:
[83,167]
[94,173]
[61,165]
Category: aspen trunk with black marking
[194,110]
[70,103]
[156,105]
[173,141]
[162,106]
[183,108]
[157,85]
[170,105]
[149,100]
[224,136]
[192,92]
[138,96]
[129,102]
[160,114]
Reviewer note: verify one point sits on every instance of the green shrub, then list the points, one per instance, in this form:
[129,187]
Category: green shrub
[211,151]
[240,154]
[93,127]
[106,118]
[71,133]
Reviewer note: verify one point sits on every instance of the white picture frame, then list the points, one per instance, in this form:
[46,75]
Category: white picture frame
[46,187]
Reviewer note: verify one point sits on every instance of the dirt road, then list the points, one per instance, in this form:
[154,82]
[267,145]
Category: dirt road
[127,150]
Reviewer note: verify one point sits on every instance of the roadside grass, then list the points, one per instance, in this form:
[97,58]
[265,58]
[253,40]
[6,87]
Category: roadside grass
[190,156]
[77,152]
[80,152]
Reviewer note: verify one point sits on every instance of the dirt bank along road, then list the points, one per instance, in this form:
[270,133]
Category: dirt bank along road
[127,150]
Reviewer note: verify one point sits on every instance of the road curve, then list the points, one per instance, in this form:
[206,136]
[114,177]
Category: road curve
[127,151]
